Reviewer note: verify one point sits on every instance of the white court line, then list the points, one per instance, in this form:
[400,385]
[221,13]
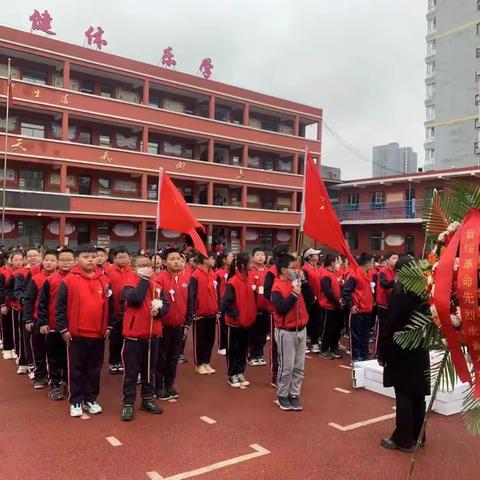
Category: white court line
[353,426]
[114,442]
[308,356]
[84,416]
[345,366]
[259,452]
[342,390]
[208,420]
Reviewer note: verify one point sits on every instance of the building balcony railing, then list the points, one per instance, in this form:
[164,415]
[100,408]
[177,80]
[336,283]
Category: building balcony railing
[405,210]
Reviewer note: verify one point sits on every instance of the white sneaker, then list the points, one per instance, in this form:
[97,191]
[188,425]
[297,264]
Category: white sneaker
[31,372]
[14,355]
[222,351]
[243,381]
[76,410]
[92,407]
[315,349]
[22,370]
[8,354]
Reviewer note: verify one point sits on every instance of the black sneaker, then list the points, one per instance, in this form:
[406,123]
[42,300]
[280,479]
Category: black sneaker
[173,393]
[336,354]
[296,405]
[284,403]
[127,412]
[119,368]
[112,369]
[56,393]
[40,383]
[164,395]
[151,407]
[327,355]
[182,359]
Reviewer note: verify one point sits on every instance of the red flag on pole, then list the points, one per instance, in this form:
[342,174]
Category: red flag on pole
[173,212]
[319,220]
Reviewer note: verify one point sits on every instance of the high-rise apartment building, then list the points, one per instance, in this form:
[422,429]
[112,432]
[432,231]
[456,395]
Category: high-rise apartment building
[452,84]
[392,159]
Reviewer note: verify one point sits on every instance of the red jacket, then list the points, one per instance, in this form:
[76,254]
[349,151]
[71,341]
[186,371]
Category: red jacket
[222,275]
[385,274]
[239,301]
[138,304]
[257,277]
[324,300]
[362,296]
[118,279]
[313,275]
[175,288]
[48,299]
[84,304]
[202,295]
[289,312]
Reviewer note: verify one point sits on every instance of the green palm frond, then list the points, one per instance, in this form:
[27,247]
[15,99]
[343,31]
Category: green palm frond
[471,411]
[411,277]
[448,377]
[420,333]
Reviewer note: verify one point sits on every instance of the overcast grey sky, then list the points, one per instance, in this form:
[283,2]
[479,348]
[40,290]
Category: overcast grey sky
[361,61]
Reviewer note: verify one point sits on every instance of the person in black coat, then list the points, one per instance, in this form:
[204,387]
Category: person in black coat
[404,370]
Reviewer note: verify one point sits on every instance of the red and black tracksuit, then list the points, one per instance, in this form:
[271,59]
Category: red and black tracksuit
[270,277]
[56,347]
[7,323]
[118,278]
[175,288]
[85,309]
[259,330]
[240,307]
[202,310]
[30,317]
[141,333]
[222,275]
[14,309]
[315,317]
[385,284]
[358,292]
[329,300]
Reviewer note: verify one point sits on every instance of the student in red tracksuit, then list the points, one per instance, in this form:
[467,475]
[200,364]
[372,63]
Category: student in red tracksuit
[30,317]
[203,311]
[102,260]
[331,304]
[118,274]
[222,264]
[290,295]
[55,346]
[240,306]
[185,278]
[175,287]
[385,285]
[22,279]
[358,297]
[313,271]
[7,326]
[144,305]
[13,312]
[259,330]
[84,317]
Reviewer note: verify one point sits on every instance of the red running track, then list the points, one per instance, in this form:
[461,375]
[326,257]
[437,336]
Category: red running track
[38,439]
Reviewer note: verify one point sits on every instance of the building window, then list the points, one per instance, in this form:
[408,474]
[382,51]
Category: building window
[376,241]
[477,123]
[430,91]
[429,156]
[477,99]
[352,240]
[85,136]
[430,68]
[31,180]
[430,134]
[352,201]
[431,47]
[431,5]
[106,90]
[430,113]
[478,5]
[33,130]
[153,148]
[104,186]
[86,86]
[377,200]
[476,149]
[104,140]
[35,76]
[432,25]
[152,191]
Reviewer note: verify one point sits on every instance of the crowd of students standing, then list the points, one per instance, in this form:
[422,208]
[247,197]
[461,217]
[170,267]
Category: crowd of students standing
[58,308]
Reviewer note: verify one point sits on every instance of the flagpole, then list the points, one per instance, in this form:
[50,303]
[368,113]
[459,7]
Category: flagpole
[5,152]
[153,296]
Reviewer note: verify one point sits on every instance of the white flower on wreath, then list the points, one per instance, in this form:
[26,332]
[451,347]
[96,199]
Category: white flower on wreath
[453,226]
[441,236]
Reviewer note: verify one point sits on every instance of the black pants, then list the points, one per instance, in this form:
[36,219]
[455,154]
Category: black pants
[203,339]
[85,360]
[409,418]
[39,352]
[169,350]
[25,357]
[360,334]
[135,361]
[16,330]
[273,352]
[57,359]
[258,334]
[222,332]
[382,315]
[315,322]
[7,329]
[237,350]
[115,344]
[332,329]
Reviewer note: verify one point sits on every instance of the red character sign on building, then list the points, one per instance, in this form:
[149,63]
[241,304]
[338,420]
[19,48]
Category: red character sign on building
[206,67]
[167,58]
[96,38]
[42,22]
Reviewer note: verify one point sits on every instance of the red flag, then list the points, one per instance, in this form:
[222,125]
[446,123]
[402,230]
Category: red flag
[319,220]
[173,212]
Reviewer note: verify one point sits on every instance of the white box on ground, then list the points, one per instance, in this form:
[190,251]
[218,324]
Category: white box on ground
[369,374]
